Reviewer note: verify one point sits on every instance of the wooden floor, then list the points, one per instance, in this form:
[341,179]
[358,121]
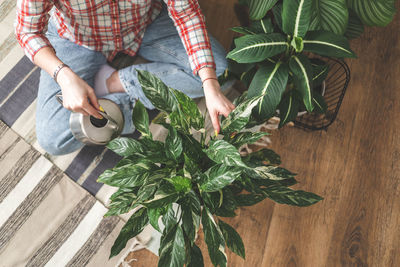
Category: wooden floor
[355,166]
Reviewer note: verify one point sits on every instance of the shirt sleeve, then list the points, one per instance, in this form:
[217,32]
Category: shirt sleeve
[31,24]
[189,22]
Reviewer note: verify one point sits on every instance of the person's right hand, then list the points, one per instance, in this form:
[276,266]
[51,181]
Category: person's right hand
[76,93]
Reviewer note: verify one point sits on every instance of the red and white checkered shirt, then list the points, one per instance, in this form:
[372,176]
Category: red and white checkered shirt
[111,26]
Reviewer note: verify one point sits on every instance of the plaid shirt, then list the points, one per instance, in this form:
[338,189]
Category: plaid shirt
[111,26]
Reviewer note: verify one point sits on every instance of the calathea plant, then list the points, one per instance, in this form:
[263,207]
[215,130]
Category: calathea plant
[346,17]
[204,178]
[276,58]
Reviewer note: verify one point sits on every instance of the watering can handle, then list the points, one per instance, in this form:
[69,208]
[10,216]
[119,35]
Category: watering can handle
[113,123]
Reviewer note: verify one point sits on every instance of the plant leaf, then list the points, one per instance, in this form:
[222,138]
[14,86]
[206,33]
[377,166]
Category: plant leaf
[121,201]
[222,152]
[214,239]
[320,71]
[229,205]
[145,192]
[374,12]
[296,15]
[191,212]
[219,176]
[166,194]
[271,172]
[264,156]
[189,110]
[262,26]
[258,8]
[270,83]
[232,239]
[247,76]
[327,44]
[285,195]
[157,92]
[128,175]
[181,184]
[246,138]
[249,199]
[155,214]
[329,15]
[319,103]
[125,146]
[132,228]
[140,119]
[172,248]
[173,144]
[256,48]
[179,121]
[355,27]
[196,257]
[239,117]
[297,44]
[302,74]
[243,30]
[169,218]
[277,11]
[288,108]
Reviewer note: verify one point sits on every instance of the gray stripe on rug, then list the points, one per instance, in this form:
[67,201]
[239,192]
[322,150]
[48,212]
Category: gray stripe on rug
[91,246]
[25,209]
[10,147]
[57,239]
[18,171]
[3,129]
[5,7]
[7,45]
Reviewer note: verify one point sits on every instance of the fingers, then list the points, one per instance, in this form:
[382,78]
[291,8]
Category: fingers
[91,110]
[93,99]
[215,121]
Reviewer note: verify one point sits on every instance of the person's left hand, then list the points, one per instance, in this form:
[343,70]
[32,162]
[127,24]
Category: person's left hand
[216,102]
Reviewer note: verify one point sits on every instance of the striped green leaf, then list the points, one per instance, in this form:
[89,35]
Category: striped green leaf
[269,81]
[320,71]
[262,26]
[374,12]
[301,68]
[288,108]
[256,27]
[285,195]
[328,44]
[329,15]
[319,103]
[355,27]
[296,15]
[256,48]
[277,11]
[258,8]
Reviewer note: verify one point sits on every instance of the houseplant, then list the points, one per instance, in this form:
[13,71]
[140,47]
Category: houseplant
[276,58]
[346,17]
[206,178]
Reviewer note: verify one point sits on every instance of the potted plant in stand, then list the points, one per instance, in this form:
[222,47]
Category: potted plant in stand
[278,61]
[203,176]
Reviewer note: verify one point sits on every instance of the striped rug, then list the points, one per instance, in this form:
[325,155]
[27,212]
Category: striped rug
[46,219]
[56,217]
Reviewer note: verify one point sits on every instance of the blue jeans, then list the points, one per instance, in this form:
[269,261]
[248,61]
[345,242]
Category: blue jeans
[161,45]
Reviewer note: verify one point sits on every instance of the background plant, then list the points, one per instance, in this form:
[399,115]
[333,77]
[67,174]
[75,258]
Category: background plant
[186,181]
[346,17]
[276,55]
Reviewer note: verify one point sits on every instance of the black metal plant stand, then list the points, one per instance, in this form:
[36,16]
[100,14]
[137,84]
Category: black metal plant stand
[335,87]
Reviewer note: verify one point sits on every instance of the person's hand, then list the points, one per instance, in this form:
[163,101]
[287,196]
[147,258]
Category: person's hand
[216,102]
[76,94]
